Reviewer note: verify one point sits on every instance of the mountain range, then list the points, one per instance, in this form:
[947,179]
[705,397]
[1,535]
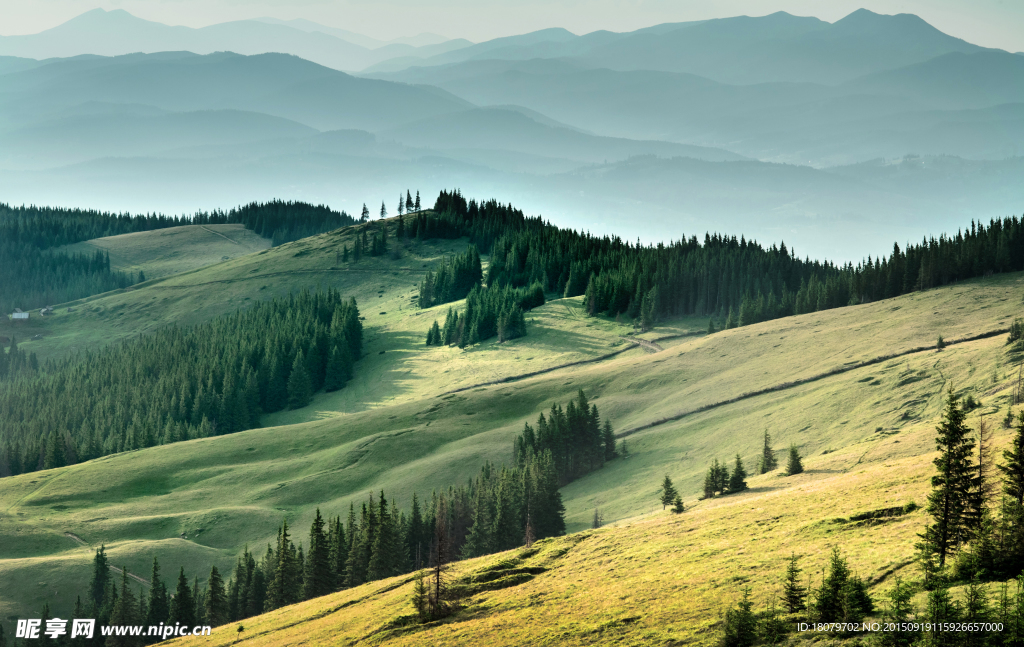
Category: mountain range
[780,126]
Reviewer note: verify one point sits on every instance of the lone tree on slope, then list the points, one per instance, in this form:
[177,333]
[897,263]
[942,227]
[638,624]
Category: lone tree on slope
[668,493]
[796,464]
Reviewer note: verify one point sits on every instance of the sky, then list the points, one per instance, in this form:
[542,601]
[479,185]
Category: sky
[991,23]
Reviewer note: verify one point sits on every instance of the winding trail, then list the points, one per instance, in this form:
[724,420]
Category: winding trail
[551,369]
[814,378]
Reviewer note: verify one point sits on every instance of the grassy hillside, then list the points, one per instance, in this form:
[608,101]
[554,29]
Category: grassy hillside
[164,252]
[866,429]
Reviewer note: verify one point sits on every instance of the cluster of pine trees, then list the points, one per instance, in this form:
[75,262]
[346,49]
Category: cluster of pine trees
[841,597]
[453,279]
[719,480]
[980,533]
[498,510]
[407,204]
[577,440]
[179,383]
[15,361]
[33,275]
[489,312]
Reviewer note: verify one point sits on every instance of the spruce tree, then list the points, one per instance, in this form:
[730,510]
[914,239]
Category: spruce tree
[738,479]
[216,602]
[677,505]
[125,613]
[795,465]
[317,578]
[159,608]
[768,461]
[668,493]
[793,594]
[1013,468]
[183,606]
[100,579]
[300,387]
[955,488]
[608,439]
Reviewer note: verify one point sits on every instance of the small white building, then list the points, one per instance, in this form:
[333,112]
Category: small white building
[19,316]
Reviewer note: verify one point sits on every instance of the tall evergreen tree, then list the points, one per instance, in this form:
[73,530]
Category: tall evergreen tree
[317,578]
[300,387]
[793,593]
[1013,467]
[216,601]
[100,579]
[158,609]
[183,605]
[768,461]
[955,486]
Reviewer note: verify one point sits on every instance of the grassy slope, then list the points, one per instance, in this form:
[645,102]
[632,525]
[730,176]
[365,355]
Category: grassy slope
[202,500]
[174,250]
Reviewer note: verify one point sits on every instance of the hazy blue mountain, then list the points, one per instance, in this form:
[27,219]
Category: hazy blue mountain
[498,129]
[777,47]
[15,64]
[910,110]
[419,40]
[117,32]
[274,84]
[105,130]
[954,80]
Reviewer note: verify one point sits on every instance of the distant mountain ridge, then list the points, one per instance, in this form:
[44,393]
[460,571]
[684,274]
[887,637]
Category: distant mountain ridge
[774,48]
[117,32]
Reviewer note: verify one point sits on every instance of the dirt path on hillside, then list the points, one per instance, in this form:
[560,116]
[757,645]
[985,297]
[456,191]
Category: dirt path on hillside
[648,346]
[217,233]
[814,378]
[600,358]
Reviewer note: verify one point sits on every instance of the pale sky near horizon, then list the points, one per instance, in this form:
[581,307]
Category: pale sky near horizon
[991,23]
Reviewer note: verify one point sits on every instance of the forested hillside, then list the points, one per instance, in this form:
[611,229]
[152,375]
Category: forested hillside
[732,281]
[33,276]
[178,384]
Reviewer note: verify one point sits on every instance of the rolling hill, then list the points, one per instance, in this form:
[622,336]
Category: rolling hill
[858,389]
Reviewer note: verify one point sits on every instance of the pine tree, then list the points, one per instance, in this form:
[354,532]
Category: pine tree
[417,204]
[216,602]
[317,578]
[1013,468]
[738,479]
[740,624]
[183,605]
[124,613]
[608,439]
[364,215]
[768,461]
[383,211]
[795,465]
[159,609]
[300,387]
[793,594]
[668,493]
[677,505]
[100,579]
[711,327]
[954,489]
